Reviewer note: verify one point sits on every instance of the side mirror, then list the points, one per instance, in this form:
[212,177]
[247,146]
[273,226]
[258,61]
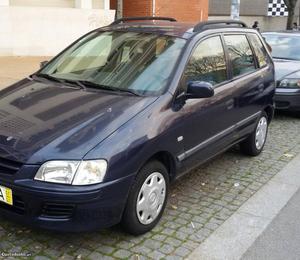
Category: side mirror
[43,63]
[199,89]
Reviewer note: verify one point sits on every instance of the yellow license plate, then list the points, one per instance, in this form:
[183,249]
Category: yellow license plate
[6,195]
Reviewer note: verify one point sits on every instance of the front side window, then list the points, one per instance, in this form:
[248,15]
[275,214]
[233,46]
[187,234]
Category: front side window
[135,61]
[207,62]
[259,49]
[240,53]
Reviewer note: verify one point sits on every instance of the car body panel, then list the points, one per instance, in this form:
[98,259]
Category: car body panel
[44,121]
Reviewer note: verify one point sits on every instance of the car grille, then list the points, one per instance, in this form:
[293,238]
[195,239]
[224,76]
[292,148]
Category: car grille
[9,167]
[57,211]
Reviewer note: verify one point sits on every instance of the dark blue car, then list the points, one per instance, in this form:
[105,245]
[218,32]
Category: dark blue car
[98,134]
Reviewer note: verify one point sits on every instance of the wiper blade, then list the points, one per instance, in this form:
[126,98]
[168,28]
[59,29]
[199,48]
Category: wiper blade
[99,86]
[60,80]
[47,76]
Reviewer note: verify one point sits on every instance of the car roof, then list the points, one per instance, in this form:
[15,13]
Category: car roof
[170,27]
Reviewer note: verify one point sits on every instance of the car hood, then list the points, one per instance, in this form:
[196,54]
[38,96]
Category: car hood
[284,68]
[42,121]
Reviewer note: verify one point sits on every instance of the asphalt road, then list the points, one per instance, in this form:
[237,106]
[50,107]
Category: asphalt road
[281,239]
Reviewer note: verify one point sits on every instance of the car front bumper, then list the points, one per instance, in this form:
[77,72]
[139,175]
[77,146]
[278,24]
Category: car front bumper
[287,99]
[63,207]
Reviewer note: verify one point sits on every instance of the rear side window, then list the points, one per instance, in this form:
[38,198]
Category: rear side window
[207,63]
[259,49]
[241,55]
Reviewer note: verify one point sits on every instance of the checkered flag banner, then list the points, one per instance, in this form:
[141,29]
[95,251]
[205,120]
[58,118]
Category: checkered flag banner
[277,8]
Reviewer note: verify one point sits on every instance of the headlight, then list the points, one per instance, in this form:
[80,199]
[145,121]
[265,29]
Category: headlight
[72,172]
[289,83]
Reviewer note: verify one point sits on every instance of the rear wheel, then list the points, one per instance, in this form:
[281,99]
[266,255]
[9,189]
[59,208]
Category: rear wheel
[255,143]
[147,199]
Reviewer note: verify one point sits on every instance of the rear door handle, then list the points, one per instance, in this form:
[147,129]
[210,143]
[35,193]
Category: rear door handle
[261,88]
[230,104]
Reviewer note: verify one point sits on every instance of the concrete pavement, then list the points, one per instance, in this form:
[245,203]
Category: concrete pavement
[13,69]
[281,239]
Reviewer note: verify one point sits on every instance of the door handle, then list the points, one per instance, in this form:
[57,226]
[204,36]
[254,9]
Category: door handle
[230,104]
[261,88]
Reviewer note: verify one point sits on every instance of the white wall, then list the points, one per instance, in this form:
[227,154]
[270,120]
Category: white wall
[41,31]
[52,3]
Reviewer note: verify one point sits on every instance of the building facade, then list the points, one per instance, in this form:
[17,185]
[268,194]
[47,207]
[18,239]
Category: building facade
[254,10]
[45,27]
[184,11]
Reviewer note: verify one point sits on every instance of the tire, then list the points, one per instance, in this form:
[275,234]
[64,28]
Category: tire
[251,146]
[142,195]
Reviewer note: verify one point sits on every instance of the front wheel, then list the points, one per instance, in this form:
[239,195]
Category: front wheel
[255,143]
[147,199]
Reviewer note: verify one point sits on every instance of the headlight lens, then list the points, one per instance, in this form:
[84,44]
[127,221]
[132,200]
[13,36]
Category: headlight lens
[290,83]
[72,172]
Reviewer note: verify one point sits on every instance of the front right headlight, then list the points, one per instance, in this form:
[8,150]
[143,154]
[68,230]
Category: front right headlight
[73,172]
[289,83]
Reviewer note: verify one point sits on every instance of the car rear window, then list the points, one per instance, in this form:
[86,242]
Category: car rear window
[241,55]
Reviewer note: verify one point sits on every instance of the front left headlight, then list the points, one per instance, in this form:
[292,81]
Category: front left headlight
[289,83]
[72,172]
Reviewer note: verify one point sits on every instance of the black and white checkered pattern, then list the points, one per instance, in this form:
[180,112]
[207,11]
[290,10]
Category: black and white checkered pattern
[277,8]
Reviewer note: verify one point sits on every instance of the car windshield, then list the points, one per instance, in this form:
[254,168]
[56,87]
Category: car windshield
[284,46]
[127,61]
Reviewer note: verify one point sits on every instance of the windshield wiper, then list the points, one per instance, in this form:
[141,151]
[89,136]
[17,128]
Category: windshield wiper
[104,87]
[60,80]
[83,84]
[47,76]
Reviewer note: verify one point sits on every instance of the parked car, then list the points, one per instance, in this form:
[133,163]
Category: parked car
[286,55]
[97,135]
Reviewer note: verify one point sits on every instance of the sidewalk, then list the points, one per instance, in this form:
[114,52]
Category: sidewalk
[16,68]
[267,226]
[281,239]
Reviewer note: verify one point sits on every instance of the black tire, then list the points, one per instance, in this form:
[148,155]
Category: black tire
[130,220]
[249,146]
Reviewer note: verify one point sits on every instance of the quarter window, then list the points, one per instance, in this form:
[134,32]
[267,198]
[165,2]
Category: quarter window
[207,63]
[259,49]
[241,56]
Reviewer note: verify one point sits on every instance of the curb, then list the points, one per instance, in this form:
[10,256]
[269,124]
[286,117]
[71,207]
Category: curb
[236,235]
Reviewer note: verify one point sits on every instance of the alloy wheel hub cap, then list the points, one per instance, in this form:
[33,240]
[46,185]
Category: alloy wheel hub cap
[261,133]
[151,198]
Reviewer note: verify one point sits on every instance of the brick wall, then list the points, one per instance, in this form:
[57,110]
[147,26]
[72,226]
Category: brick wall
[182,10]
[185,11]
[137,8]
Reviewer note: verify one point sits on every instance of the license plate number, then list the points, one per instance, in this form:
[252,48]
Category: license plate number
[6,195]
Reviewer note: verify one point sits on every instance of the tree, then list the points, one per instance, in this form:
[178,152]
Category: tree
[291,5]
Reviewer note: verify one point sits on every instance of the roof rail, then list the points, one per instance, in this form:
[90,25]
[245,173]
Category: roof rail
[143,18]
[204,25]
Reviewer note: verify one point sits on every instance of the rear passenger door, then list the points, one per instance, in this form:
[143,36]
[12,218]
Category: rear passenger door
[247,78]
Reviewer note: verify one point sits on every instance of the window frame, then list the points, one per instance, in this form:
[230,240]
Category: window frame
[256,65]
[182,84]
[266,51]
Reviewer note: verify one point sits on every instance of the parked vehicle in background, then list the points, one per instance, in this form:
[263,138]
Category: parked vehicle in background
[98,134]
[286,55]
